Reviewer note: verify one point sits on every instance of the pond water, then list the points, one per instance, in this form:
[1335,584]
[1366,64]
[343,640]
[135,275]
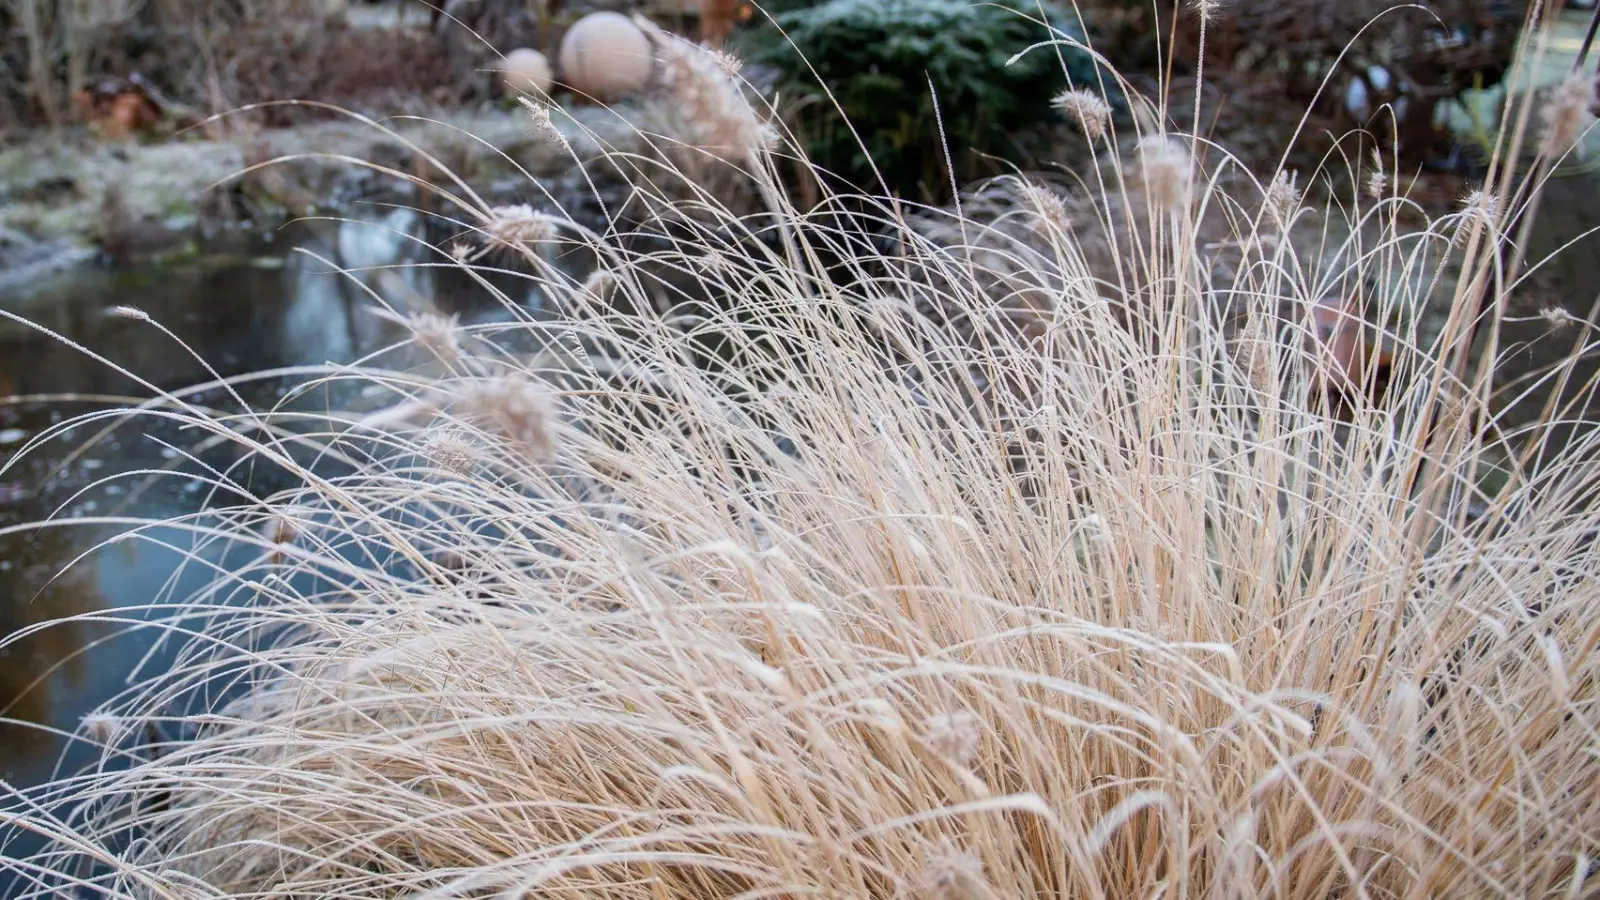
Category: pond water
[255,305]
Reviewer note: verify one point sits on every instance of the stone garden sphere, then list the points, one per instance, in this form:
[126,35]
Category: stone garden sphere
[605,56]
[525,71]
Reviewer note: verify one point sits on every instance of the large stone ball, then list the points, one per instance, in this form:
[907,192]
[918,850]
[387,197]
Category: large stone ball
[525,71]
[604,55]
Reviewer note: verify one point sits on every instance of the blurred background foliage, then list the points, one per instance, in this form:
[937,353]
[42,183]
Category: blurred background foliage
[885,62]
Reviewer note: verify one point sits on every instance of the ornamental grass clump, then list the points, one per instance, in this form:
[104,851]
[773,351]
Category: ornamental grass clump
[1038,547]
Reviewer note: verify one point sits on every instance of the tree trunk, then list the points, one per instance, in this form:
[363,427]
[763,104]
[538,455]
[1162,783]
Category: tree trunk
[41,78]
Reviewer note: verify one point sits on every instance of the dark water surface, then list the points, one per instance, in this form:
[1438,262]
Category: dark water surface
[242,312]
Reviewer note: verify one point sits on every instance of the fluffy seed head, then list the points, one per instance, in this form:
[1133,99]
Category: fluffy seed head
[1557,317]
[1405,705]
[951,873]
[1560,685]
[1283,195]
[1479,211]
[1166,168]
[280,530]
[1095,528]
[451,450]
[102,727]
[539,115]
[130,312]
[1085,109]
[1567,114]
[514,407]
[598,284]
[435,333]
[730,65]
[1377,178]
[954,736]
[1049,207]
[708,103]
[1260,362]
[519,227]
[1377,184]
[1205,9]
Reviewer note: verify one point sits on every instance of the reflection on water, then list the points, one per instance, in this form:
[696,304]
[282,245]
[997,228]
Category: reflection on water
[239,312]
[30,595]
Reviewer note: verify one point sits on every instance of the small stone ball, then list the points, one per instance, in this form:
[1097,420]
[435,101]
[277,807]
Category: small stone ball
[605,56]
[526,71]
